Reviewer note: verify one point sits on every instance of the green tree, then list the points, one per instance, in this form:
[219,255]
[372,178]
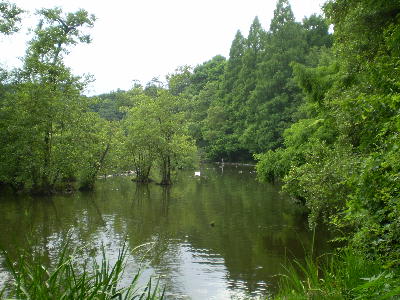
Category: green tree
[207,72]
[157,131]
[142,137]
[10,16]
[175,148]
[110,106]
[238,82]
[275,97]
[316,31]
[219,125]
[234,64]
[283,15]
[204,90]
[179,81]
[43,109]
[252,56]
[97,151]
[242,109]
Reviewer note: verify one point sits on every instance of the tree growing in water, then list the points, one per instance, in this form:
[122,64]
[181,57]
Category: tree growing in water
[141,138]
[176,148]
[44,116]
[156,131]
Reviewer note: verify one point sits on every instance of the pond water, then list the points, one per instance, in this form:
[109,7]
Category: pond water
[221,235]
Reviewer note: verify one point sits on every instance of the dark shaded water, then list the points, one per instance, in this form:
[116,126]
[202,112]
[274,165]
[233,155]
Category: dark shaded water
[218,236]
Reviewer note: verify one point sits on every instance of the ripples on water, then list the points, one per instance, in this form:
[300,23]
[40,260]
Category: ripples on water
[218,236]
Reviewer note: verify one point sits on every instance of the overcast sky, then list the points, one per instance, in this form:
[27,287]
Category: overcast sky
[141,39]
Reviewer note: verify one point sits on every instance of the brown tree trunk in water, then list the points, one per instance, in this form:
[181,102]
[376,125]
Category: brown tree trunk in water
[142,170]
[45,186]
[166,172]
[89,184]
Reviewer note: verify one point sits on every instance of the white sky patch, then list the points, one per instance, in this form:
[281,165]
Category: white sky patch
[142,39]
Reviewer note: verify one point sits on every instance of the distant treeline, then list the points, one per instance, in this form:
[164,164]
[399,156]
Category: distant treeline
[240,106]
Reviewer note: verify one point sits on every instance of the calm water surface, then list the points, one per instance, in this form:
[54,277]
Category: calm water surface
[218,236]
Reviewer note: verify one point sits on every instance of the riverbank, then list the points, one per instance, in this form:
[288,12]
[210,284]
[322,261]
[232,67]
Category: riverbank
[346,274]
[343,275]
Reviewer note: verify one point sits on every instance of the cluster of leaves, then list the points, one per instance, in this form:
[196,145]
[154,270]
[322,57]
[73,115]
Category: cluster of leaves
[342,157]
[10,16]
[111,106]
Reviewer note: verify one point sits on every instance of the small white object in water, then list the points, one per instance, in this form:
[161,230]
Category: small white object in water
[197,173]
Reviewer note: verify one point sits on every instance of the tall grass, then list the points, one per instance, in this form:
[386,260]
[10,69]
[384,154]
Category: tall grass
[344,275]
[69,280]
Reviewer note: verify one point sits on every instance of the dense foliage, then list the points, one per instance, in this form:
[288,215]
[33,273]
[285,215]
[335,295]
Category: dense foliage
[242,105]
[341,159]
[318,111]
[54,138]
[45,124]
[156,132]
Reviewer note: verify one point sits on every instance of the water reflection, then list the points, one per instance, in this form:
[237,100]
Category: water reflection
[218,236]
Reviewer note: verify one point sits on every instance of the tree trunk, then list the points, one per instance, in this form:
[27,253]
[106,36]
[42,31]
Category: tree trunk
[142,168]
[166,171]
[45,187]
[88,184]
